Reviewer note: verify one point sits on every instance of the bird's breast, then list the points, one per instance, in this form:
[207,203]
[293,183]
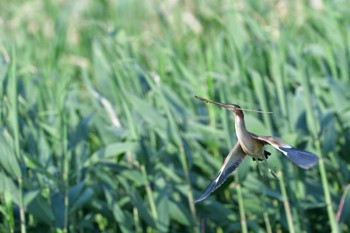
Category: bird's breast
[250,145]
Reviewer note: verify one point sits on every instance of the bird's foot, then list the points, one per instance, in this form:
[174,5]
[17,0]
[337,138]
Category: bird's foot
[272,172]
[265,171]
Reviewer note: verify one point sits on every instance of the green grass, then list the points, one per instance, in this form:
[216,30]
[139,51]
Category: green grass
[100,131]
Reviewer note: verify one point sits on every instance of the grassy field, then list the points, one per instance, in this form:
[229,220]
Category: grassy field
[100,131]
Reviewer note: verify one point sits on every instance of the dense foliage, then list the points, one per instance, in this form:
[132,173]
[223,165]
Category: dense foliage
[100,131]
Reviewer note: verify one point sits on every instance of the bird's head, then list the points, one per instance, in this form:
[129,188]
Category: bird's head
[232,107]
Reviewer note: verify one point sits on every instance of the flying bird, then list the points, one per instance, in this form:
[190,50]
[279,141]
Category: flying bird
[253,145]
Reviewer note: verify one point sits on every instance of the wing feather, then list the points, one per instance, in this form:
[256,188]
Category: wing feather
[303,159]
[232,161]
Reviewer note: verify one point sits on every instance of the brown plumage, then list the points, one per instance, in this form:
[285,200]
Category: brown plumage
[253,145]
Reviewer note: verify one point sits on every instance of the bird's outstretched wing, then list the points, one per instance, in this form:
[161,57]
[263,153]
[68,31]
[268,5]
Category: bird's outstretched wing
[232,161]
[303,159]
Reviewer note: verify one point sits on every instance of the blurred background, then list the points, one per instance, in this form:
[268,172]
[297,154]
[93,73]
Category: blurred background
[100,131]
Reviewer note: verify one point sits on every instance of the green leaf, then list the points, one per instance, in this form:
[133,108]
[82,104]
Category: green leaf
[120,217]
[329,133]
[7,185]
[74,191]
[79,194]
[162,203]
[153,118]
[81,132]
[84,197]
[135,176]
[257,186]
[244,169]
[30,196]
[58,207]
[41,210]
[110,151]
[8,159]
[339,95]
[144,211]
[255,125]
[179,213]
[118,213]
[343,209]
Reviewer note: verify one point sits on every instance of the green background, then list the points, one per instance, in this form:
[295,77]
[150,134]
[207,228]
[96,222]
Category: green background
[100,131]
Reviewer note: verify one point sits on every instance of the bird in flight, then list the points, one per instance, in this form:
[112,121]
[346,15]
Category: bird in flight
[253,145]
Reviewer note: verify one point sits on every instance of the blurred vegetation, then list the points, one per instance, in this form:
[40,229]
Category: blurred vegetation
[100,131]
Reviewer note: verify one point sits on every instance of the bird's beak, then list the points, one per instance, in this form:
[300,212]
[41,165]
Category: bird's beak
[227,106]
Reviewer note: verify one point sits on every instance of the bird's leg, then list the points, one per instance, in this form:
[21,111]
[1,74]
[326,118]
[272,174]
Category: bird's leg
[262,174]
[270,170]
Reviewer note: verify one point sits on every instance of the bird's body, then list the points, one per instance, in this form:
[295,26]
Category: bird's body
[249,144]
[253,145]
